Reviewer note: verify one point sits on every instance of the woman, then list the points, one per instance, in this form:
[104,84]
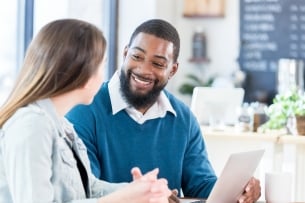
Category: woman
[41,157]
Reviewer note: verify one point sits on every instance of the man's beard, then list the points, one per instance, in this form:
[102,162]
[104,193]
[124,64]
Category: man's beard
[138,100]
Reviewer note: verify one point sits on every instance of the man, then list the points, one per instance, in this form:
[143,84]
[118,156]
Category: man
[134,121]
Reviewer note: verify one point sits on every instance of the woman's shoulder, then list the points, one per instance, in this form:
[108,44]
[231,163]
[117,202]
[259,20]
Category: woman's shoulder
[27,116]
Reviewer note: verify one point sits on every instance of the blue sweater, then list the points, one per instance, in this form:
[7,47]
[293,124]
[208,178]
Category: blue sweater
[116,143]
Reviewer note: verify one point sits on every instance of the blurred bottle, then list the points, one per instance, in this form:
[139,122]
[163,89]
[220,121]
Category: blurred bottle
[290,74]
[259,115]
[199,44]
[244,118]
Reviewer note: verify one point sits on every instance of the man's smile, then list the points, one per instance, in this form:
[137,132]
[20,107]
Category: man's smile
[141,80]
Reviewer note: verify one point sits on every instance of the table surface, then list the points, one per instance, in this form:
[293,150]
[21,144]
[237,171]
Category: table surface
[195,200]
[230,133]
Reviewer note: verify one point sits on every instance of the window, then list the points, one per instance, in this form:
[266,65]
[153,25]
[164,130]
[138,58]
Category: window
[17,24]
[9,40]
[48,10]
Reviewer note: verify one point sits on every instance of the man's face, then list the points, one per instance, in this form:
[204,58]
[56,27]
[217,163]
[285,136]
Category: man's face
[148,65]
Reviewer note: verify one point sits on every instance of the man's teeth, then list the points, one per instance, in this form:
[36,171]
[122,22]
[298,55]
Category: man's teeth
[141,81]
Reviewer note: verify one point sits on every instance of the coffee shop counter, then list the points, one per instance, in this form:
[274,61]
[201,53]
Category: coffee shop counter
[283,152]
[189,200]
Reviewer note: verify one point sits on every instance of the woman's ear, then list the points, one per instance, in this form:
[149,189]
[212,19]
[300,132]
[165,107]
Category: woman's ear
[88,84]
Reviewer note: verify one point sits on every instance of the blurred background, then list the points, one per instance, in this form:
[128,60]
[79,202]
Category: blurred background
[223,42]
[256,45]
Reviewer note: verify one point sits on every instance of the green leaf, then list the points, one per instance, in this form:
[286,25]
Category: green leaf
[186,88]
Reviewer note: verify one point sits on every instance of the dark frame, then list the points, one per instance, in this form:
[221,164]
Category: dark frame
[28,23]
[113,8]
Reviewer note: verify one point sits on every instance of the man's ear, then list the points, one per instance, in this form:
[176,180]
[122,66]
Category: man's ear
[174,70]
[125,51]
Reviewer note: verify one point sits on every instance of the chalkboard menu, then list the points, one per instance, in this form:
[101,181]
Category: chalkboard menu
[269,30]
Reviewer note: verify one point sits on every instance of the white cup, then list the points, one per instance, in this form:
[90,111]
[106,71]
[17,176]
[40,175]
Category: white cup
[278,187]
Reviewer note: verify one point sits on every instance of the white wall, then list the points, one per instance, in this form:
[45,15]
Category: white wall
[131,14]
[222,35]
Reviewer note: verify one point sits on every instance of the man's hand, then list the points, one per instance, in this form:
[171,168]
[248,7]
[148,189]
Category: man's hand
[174,197]
[252,191]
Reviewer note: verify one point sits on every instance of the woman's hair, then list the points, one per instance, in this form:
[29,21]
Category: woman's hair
[62,57]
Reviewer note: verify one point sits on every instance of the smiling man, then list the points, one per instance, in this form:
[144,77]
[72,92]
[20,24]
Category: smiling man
[134,121]
[147,67]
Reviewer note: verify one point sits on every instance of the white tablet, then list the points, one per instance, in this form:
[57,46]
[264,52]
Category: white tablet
[238,170]
[235,175]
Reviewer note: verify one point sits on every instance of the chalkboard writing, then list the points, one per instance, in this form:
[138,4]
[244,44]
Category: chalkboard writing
[270,30]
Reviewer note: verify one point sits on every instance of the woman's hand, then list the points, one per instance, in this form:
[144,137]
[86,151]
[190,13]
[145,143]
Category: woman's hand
[144,189]
[159,191]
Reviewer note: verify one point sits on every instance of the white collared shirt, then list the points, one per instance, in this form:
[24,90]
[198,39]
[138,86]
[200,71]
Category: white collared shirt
[157,110]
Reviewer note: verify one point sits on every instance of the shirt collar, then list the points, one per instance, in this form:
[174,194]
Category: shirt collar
[118,103]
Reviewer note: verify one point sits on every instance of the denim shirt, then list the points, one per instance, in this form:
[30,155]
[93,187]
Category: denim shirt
[37,163]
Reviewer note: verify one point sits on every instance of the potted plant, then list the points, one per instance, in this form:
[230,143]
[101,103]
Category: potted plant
[193,81]
[299,113]
[286,111]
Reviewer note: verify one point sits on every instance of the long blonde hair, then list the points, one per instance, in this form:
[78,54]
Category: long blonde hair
[62,57]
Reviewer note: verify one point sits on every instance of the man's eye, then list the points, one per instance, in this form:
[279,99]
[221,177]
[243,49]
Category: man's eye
[160,65]
[136,57]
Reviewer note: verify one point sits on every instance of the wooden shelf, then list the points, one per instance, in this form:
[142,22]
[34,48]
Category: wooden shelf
[204,8]
[203,16]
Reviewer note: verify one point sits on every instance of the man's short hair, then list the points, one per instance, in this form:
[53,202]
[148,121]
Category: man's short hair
[161,29]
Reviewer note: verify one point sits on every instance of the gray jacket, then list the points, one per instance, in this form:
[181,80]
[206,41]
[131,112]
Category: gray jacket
[37,163]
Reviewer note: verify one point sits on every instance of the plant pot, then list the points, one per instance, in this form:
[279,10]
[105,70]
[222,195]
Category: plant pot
[300,124]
